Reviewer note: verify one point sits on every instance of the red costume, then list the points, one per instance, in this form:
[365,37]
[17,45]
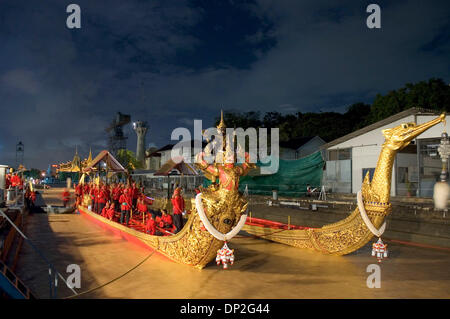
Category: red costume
[150,228]
[177,202]
[102,196]
[110,213]
[79,190]
[178,208]
[15,181]
[86,189]
[65,197]
[166,221]
[226,172]
[104,211]
[142,207]
[116,192]
[125,201]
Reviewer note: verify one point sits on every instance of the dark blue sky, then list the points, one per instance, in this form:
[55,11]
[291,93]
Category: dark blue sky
[170,62]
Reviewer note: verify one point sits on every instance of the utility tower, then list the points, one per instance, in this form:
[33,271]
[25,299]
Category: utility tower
[140,128]
[19,154]
[117,139]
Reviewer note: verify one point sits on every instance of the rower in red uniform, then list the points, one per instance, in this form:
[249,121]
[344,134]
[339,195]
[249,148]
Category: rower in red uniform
[166,221]
[178,209]
[94,193]
[65,197]
[135,194]
[86,189]
[141,205]
[105,210]
[125,205]
[78,194]
[111,212]
[102,198]
[116,192]
[150,227]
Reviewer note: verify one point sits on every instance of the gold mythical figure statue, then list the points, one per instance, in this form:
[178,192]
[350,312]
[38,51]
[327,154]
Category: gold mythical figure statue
[217,214]
[353,232]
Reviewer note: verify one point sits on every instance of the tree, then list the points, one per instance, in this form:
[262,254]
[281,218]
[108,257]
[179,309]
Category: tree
[432,94]
[128,160]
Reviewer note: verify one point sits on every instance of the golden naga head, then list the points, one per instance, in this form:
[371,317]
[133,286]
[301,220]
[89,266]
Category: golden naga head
[400,136]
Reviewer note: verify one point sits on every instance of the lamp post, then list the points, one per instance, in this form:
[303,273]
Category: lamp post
[444,153]
[441,188]
[168,185]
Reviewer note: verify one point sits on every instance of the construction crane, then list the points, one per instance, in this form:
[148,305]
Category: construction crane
[117,139]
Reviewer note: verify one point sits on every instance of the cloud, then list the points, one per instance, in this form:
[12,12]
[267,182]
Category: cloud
[61,87]
[22,80]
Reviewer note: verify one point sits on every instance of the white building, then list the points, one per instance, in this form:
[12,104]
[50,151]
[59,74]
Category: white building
[416,167]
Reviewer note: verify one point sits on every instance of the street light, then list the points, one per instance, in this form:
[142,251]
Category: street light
[444,153]
[441,188]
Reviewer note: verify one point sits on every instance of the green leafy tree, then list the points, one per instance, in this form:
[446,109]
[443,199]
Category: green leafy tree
[33,172]
[128,160]
[432,94]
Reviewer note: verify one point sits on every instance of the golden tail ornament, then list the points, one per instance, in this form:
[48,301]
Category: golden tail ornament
[352,233]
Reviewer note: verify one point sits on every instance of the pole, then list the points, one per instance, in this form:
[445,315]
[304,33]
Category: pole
[168,186]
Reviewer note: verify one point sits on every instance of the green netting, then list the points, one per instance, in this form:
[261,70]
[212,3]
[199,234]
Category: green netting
[290,180]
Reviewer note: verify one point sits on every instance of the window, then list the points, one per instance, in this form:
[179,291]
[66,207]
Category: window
[340,154]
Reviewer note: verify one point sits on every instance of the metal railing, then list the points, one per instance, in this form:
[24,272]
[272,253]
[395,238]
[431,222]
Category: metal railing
[53,274]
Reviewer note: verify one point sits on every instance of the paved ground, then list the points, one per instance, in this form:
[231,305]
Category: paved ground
[262,270]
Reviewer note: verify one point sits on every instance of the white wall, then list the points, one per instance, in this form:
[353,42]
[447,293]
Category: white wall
[165,156]
[366,150]
[366,147]
[436,130]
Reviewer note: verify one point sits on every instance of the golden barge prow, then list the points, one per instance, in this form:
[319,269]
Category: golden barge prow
[351,233]
[224,207]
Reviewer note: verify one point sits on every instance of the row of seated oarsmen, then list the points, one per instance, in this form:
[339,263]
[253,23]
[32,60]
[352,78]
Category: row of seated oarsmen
[124,199]
[156,222]
[103,193]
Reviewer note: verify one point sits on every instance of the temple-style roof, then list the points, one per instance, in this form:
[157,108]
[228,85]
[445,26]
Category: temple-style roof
[183,167]
[76,165]
[111,162]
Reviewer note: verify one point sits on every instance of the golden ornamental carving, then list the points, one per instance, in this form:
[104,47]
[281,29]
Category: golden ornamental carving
[351,233]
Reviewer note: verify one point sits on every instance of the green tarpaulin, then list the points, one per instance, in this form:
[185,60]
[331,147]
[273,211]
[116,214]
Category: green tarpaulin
[290,180]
